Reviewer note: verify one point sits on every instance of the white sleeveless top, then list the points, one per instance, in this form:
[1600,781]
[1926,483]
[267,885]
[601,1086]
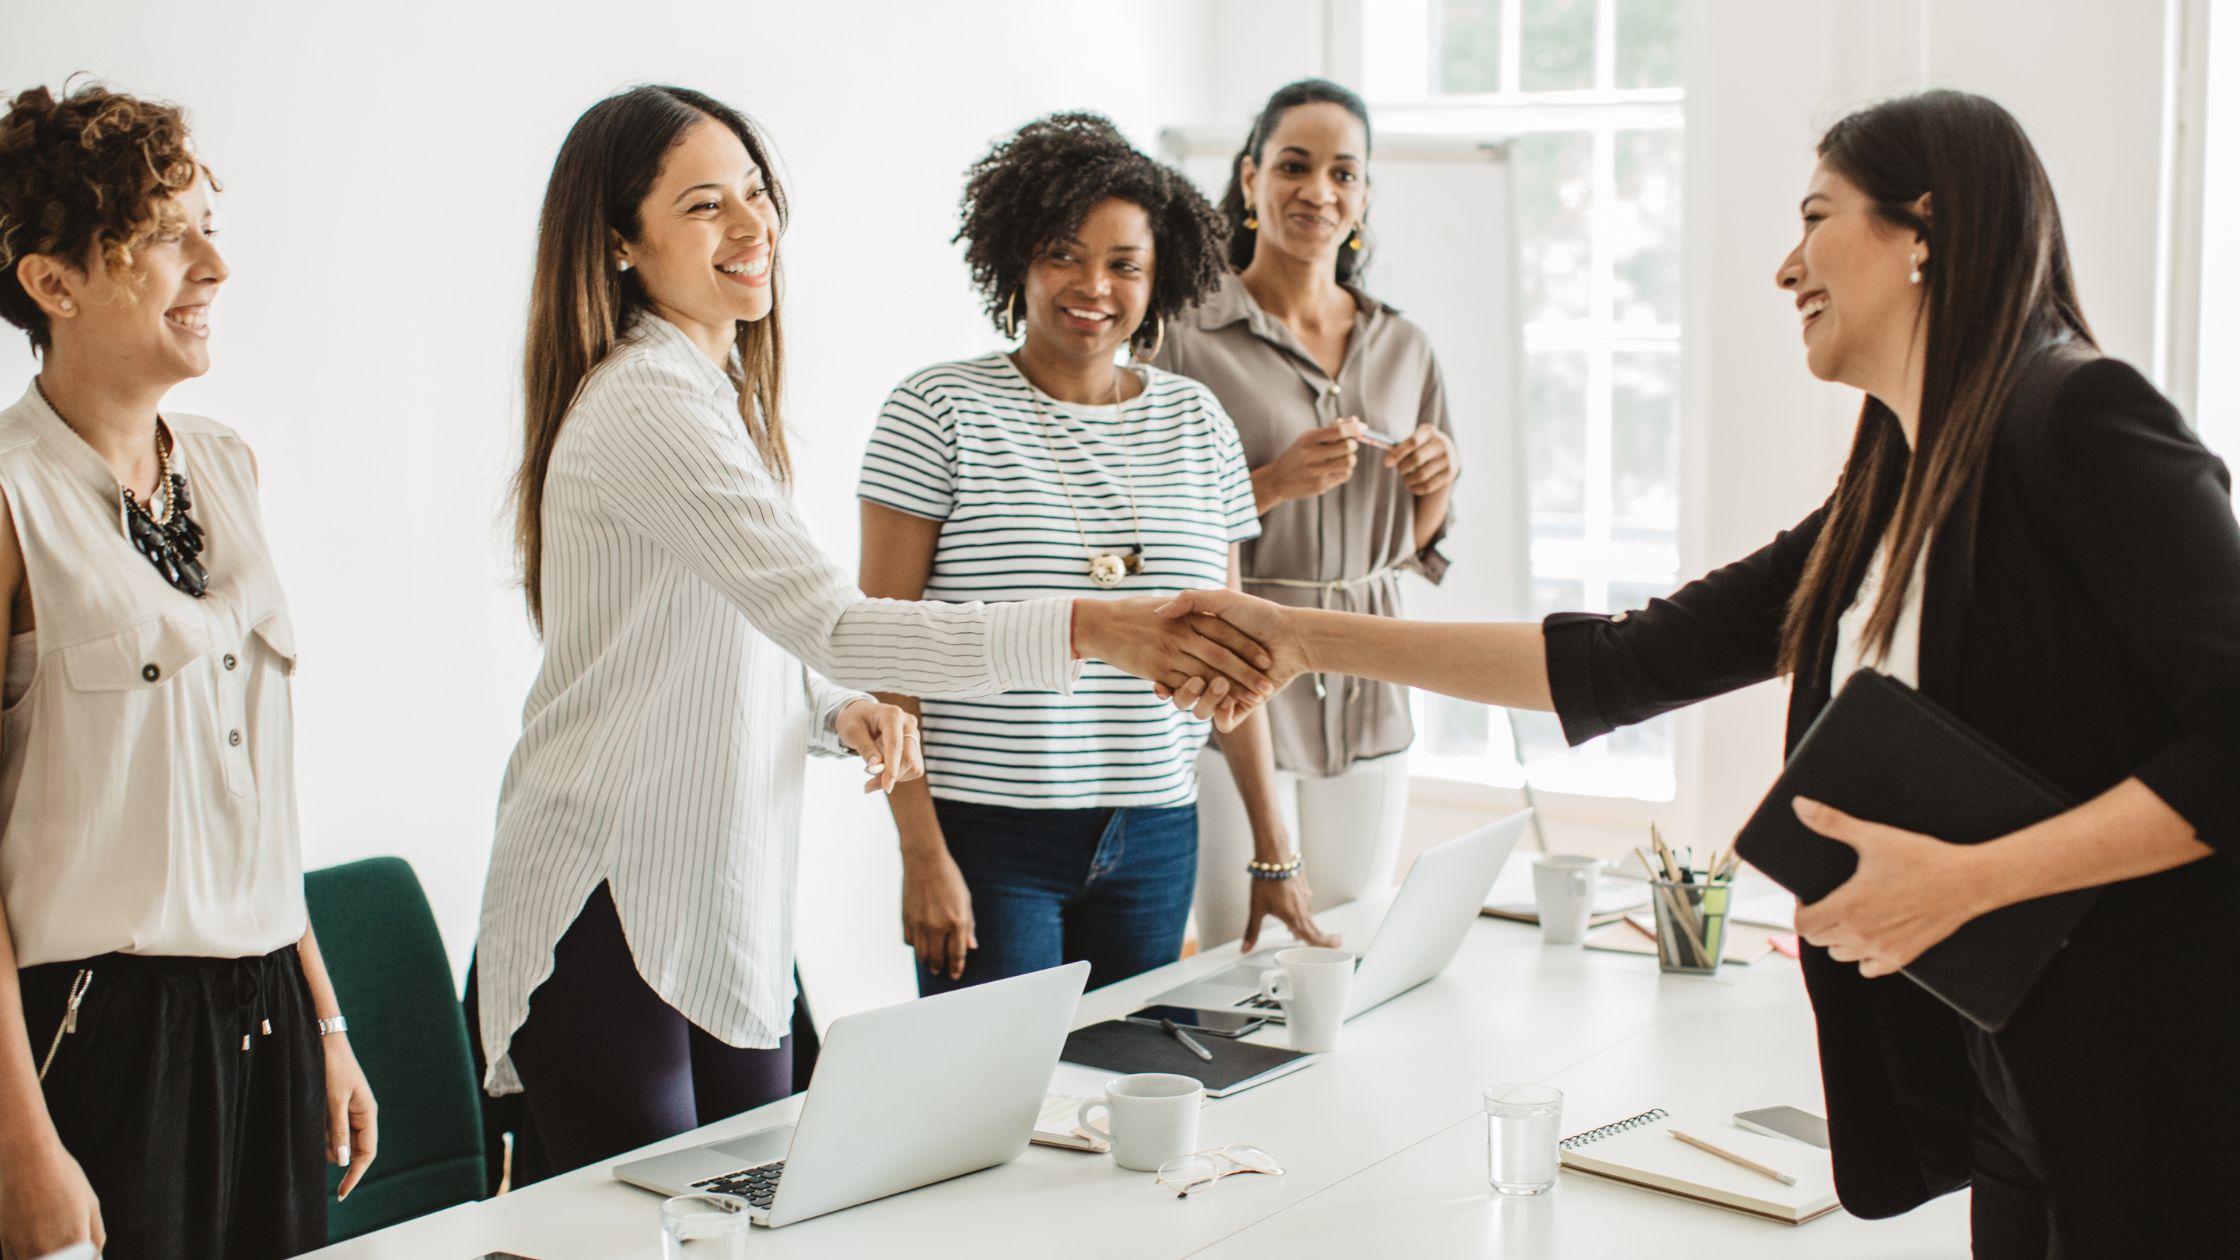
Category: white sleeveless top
[1904,659]
[147,779]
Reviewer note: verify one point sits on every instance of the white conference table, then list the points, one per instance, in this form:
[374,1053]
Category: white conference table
[1383,1141]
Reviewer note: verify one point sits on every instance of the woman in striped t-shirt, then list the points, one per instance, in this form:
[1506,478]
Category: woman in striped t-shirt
[1057,827]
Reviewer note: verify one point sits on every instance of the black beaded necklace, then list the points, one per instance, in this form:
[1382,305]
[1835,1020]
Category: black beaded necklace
[171,542]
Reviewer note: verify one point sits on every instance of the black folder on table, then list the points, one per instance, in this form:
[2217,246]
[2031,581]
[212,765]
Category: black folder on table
[1124,1047]
[1883,752]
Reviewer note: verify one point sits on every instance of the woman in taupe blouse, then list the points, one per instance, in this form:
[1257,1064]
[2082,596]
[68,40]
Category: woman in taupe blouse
[1344,421]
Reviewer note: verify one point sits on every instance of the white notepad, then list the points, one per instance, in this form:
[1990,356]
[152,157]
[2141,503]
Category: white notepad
[1641,1151]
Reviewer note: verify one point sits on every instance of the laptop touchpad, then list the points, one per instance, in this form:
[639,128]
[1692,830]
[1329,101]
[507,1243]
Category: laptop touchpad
[757,1148]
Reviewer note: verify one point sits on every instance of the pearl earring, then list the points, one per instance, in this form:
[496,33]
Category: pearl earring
[1914,277]
[68,305]
[622,264]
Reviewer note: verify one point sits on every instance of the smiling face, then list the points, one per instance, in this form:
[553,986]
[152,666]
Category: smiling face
[1313,188]
[153,325]
[1086,294]
[1849,277]
[707,238]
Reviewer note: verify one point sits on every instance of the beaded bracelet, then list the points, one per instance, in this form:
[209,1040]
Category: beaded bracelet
[1274,870]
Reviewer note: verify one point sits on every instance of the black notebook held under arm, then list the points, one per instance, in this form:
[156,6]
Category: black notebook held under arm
[1883,752]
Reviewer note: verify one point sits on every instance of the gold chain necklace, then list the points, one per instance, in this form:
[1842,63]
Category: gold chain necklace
[1106,569]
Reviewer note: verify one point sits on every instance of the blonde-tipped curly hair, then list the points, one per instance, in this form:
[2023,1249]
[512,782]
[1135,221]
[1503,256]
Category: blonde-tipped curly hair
[94,170]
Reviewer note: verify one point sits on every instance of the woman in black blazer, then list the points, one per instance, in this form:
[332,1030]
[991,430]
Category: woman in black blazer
[2075,597]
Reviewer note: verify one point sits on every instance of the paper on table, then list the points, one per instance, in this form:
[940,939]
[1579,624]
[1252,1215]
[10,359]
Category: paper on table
[1771,909]
[1637,935]
[1512,896]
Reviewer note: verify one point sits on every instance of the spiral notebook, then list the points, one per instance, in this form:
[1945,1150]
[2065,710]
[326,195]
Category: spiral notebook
[1641,1151]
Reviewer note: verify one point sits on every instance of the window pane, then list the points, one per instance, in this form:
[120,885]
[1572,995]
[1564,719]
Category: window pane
[1555,433]
[1554,595]
[1644,443]
[1558,45]
[1470,45]
[1555,194]
[1648,44]
[1646,283]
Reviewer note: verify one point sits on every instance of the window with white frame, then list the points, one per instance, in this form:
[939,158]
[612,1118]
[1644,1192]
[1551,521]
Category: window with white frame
[1590,91]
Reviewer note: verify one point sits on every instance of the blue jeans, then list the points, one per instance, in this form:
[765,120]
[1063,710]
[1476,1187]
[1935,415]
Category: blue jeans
[1050,886]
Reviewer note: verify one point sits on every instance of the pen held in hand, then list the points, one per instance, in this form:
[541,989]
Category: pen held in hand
[1732,1158]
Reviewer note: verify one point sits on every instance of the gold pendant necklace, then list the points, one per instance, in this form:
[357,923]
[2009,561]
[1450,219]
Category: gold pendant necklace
[1107,569]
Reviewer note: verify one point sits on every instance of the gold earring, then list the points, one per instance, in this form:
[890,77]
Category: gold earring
[1251,220]
[1353,242]
[1158,341]
[1011,317]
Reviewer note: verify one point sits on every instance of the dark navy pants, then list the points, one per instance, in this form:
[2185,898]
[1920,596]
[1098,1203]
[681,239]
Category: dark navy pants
[1050,886]
[606,1066]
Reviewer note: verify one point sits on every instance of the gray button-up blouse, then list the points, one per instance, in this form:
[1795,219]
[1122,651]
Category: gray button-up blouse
[1342,549]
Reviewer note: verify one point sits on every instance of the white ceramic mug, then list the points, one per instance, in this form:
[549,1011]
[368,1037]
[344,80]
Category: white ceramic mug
[1314,985]
[1153,1117]
[1563,885]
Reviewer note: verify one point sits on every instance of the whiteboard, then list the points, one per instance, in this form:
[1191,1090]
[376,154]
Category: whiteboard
[1442,219]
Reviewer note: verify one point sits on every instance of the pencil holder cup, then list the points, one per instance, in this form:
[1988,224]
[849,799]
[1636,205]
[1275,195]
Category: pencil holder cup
[1691,925]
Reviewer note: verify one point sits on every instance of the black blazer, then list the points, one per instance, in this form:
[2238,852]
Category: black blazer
[2086,617]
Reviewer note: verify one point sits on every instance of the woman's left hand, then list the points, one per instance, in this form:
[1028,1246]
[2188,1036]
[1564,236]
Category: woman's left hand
[1426,459]
[1910,892]
[351,1130]
[886,737]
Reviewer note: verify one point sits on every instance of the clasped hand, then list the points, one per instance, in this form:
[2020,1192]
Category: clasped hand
[1910,892]
[1221,667]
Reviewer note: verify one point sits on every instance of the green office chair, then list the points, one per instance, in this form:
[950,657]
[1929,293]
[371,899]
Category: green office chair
[393,981]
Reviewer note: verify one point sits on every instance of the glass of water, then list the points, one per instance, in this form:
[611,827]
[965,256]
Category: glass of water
[704,1227]
[1523,1122]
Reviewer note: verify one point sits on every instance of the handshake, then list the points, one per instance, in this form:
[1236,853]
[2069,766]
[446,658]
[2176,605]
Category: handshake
[1218,653]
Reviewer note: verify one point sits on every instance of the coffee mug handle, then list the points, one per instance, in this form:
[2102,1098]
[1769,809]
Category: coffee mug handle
[1081,1118]
[1582,877]
[1275,985]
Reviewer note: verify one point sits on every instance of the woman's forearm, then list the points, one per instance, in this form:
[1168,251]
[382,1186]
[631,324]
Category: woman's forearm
[1503,663]
[1431,514]
[25,1125]
[323,1001]
[2123,833]
[1249,751]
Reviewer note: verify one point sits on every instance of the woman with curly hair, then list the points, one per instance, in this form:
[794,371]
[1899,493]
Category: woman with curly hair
[1052,828]
[173,1068]
[698,644]
[1312,366]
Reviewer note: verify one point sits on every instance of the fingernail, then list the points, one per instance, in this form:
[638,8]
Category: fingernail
[342,1155]
[1264,662]
[1802,804]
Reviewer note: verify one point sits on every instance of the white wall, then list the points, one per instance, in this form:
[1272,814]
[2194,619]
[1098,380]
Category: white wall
[383,168]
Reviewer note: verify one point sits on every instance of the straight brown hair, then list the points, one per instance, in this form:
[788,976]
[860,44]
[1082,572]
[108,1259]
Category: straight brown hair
[1998,290]
[581,303]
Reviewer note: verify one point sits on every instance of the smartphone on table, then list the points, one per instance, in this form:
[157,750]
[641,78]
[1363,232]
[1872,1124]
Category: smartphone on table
[1211,1023]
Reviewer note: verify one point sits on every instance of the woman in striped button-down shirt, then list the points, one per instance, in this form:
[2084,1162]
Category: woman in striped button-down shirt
[641,884]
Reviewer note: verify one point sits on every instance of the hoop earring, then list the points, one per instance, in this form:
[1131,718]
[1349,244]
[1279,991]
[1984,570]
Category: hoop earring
[1251,220]
[1914,277]
[1011,317]
[1158,341]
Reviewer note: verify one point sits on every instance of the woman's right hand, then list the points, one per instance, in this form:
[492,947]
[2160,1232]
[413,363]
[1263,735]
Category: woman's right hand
[47,1204]
[936,909]
[1132,636]
[1318,462]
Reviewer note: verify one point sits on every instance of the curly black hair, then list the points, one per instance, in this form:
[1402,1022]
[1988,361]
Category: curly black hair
[1040,184]
[93,167]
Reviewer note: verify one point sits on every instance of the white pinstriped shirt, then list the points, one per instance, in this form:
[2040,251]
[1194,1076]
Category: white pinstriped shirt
[662,742]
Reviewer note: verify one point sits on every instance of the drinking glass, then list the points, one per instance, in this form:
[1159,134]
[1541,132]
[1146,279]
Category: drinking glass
[704,1227]
[1522,1124]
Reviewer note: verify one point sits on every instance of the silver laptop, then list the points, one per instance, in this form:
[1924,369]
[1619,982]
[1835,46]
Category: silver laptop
[1421,932]
[902,1097]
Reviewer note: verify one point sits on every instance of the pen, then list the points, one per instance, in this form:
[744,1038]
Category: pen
[1186,1039]
[1732,1158]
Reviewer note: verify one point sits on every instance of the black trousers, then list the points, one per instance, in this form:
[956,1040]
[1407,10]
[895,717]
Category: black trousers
[2009,1214]
[193,1094]
[607,1066]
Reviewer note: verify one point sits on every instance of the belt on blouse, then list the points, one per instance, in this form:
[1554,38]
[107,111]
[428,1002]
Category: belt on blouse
[1326,589]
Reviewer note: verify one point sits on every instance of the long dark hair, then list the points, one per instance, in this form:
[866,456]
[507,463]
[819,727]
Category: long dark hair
[580,302]
[1286,98]
[1998,288]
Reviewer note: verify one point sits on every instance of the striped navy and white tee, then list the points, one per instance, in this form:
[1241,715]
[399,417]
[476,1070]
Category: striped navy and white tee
[661,747]
[964,444]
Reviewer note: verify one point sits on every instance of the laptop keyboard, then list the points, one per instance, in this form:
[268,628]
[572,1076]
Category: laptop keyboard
[758,1186]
